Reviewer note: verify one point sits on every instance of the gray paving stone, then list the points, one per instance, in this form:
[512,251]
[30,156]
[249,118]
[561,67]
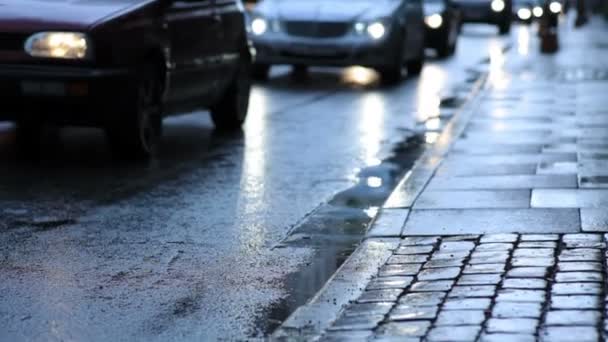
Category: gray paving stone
[594,219]
[467,304]
[577,277]
[473,291]
[484,268]
[485,221]
[455,334]
[399,270]
[516,310]
[569,198]
[419,240]
[378,308]
[460,317]
[357,322]
[504,182]
[575,302]
[518,295]
[444,263]
[497,238]
[456,246]
[479,279]
[389,222]
[533,253]
[432,286]
[389,338]
[458,199]
[422,299]
[407,259]
[539,237]
[532,262]
[576,289]
[494,247]
[347,336]
[527,272]
[496,159]
[371,296]
[449,255]
[383,283]
[488,260]
[579,266]
[512,325]
[439,273]
[406,250]
[404,329]
[538,244]
[580,254]
[521,283]
[413,313]
[460,169]
[580,241]
[573,317]
[502,337]
[465,237]
[568,334]
[499,255]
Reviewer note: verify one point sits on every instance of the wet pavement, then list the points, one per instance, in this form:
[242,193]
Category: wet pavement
[494,235]
[222,236]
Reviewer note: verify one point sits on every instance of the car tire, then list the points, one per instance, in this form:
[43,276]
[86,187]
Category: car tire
[29,138]
[393,74]
[414,67]
[504,27]
[138,134]
[445,49]
[260,72]
[230,112]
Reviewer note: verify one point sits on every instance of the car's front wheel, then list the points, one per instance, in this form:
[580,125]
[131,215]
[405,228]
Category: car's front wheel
[230,112]
[138,133]
[260,72]
[504,27]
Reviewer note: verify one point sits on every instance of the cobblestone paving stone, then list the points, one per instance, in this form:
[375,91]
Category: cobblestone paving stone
[557,294]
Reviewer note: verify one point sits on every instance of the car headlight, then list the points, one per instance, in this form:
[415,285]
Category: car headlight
[555,7]
[434,21]
[538,11]
[524,13]
[376,30]
[66,45]
[498,5]
[259,26]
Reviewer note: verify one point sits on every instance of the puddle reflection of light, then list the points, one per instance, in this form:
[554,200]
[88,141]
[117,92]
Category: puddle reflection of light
[431,137]
[371,211]
[374,182]
[373,162]
[254,170]
[430,85]
[497,76]
[433,124]
[360,76]
[523,40]
[499,112]
[371,125]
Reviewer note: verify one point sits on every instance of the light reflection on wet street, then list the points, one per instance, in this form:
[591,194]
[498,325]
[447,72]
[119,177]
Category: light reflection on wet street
[223,235]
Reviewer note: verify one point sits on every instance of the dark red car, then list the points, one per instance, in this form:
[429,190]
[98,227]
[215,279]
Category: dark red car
[122,65]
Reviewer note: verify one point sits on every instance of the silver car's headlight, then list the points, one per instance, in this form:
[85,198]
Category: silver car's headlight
[259,26]
[434,21]
[497,5]
[65,45]
[374,29]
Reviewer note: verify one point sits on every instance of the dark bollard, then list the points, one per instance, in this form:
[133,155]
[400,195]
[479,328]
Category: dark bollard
[547,30]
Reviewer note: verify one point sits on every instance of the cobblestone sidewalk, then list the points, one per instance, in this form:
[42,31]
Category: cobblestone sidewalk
[499,230]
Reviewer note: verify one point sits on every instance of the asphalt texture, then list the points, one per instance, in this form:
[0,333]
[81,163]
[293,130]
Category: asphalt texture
[191,246]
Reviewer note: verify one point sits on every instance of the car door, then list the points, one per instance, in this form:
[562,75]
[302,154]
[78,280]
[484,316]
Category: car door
[233,35]
[414,14]
[195,37]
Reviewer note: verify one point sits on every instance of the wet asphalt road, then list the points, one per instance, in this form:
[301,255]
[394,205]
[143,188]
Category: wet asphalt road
[191,246]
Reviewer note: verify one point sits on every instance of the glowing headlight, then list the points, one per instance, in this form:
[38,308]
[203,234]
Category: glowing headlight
[555,7]
[259,26]
[538,11]
[498,5]
[66,45]
[434,21]
[360,28]
[524,14]
[376,30]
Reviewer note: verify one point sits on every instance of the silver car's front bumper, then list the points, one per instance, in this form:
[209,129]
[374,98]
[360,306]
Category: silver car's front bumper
[342,51]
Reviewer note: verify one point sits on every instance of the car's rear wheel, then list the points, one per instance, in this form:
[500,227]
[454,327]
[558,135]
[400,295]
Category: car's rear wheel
[230,112]
[260,72]
[393,74]
[414,67]
[138,134]
[504,27]
[445,47]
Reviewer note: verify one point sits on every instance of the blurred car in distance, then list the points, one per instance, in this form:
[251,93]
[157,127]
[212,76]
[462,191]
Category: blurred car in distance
[122,65]
[443,22]
[386,35]
[495,12]
[523,10]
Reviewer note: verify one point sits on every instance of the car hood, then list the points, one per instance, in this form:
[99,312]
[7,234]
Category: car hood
[327,10]
[38,15]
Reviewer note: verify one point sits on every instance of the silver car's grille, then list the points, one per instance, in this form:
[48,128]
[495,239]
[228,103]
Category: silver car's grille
[12,41]
[316,29]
